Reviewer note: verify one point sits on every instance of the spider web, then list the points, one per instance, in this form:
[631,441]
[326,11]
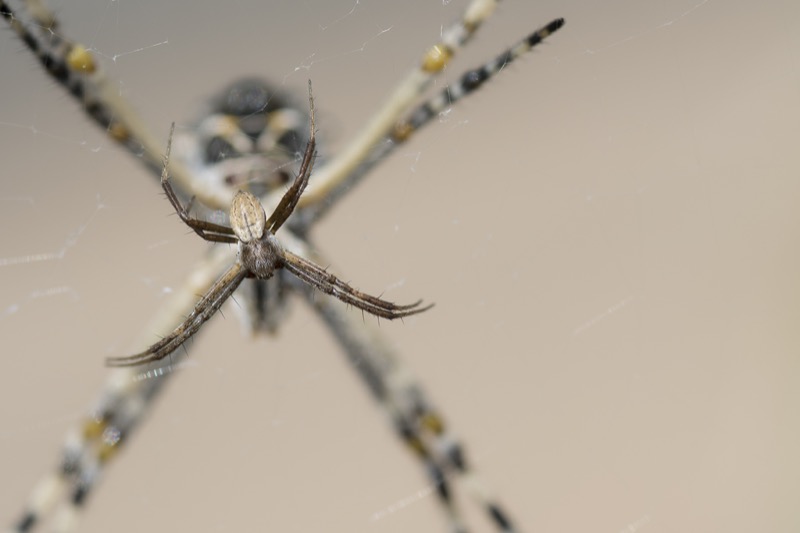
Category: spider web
[609,232]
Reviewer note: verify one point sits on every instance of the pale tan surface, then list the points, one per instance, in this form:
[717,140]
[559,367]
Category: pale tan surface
[610,232]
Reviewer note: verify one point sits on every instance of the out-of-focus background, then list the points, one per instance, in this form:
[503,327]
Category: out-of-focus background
[609,230]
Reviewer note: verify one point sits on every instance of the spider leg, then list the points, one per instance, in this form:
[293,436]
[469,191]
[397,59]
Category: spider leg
[203,310]
[405,128]
[319,278]
[124,402]
[207,230]
[380,136]
[292,196]
[73,66]
[469,82]
[416,420]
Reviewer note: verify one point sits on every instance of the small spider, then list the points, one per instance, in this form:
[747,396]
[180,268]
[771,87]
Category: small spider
[260,255]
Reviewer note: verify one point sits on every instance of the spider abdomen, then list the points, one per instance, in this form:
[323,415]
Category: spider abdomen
[248,219]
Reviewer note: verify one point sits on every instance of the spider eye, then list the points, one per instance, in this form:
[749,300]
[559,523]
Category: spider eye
[283,177]
[218,149]
[292,141]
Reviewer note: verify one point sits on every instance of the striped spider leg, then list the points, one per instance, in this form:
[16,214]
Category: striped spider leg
[73,66]
[127,398]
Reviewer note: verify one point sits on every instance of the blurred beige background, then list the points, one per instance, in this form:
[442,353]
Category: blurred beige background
[610,231]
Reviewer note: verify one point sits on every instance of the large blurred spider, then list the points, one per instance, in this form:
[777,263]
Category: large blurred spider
[248,141]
